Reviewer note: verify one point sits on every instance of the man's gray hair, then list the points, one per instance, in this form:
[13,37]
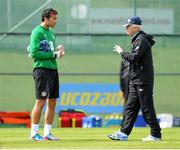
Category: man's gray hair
[138,26]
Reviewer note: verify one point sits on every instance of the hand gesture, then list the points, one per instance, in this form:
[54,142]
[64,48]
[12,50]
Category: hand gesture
[117,49]
[60,48]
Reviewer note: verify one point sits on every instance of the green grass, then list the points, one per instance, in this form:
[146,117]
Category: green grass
[94,138]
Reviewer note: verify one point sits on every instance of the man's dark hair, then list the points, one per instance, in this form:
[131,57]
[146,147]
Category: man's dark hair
[47,13]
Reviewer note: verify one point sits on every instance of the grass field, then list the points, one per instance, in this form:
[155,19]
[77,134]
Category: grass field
[93,138]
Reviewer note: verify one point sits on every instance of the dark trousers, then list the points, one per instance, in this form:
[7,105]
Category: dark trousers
[140,97]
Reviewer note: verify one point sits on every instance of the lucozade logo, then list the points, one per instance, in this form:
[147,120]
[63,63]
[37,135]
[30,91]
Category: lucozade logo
[91,99]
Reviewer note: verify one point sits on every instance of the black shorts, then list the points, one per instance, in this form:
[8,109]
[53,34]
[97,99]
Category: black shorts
[46,83]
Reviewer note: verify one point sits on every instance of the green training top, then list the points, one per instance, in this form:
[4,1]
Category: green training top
[42,47]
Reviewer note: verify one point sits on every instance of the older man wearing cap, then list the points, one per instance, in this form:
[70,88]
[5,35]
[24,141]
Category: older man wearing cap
[141,83]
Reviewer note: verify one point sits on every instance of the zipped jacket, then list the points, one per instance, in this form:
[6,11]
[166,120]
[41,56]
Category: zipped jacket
[140,59]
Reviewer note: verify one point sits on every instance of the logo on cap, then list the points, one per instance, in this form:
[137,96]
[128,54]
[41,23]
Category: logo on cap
[134,20]
[129,20]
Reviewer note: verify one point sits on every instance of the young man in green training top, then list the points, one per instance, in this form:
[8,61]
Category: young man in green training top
[42,50]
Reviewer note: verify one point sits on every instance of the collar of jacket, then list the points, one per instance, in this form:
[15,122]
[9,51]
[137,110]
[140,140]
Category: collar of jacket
[135,35]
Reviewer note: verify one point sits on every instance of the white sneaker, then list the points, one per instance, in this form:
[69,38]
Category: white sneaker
[118,136]
[151,138]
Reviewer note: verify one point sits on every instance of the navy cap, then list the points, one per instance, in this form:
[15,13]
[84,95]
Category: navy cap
[134,20]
